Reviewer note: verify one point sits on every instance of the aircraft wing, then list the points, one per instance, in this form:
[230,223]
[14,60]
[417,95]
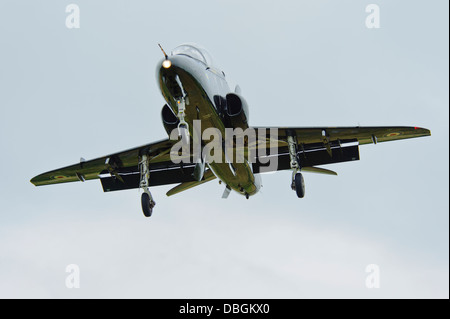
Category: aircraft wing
[316,146]
[120,170]
[326,145]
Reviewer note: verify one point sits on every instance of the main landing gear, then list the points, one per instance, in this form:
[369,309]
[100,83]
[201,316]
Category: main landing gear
[147,204]
[298,183]
[146,199]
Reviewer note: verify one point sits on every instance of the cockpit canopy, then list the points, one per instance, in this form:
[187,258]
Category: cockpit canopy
[194,51]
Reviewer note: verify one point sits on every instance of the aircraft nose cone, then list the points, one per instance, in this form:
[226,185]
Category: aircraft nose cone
[168,75]
[172,64]
[164,67]
[169,67]
[166,63]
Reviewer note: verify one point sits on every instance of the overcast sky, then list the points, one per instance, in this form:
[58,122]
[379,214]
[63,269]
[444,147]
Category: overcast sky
[86,92]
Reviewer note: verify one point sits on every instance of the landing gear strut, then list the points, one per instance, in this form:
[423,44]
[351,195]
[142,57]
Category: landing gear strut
[183,126]
[146,199]
[298,183]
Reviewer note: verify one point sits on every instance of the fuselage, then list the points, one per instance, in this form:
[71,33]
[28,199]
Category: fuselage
[203,88]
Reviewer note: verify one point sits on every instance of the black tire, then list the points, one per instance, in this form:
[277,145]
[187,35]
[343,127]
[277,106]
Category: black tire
[147,205]
[299,185]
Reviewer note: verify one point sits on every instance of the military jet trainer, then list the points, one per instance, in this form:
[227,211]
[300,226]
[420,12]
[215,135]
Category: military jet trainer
[198,116]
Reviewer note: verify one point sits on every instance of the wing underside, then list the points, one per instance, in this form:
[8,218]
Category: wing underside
[122,167]
[326,145]
[120,171]
[315,146]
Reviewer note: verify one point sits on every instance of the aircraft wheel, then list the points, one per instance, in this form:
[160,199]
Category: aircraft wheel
[147,205]
[299,185]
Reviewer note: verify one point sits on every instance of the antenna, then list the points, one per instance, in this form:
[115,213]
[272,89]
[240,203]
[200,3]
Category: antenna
[164,52]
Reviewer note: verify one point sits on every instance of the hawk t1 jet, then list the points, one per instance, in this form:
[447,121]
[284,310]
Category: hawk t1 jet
[210,137]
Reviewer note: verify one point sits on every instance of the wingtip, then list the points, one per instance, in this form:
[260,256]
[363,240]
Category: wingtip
[424,131]
[33,181]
